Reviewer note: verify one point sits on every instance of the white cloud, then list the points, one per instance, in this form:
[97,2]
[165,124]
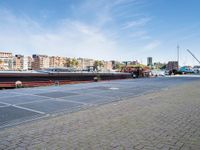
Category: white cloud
[96,35]
[70,38]
[136,23]
[142,35]
[152,45]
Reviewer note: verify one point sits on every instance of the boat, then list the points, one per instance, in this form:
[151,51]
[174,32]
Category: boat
[9,79]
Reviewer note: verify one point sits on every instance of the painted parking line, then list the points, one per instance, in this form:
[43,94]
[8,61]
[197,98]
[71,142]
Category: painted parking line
[53,106]
[43,96]
[7,104]
[3,106]
[102,92]
[49,98]
[65,100]
[52,99]
[36,111]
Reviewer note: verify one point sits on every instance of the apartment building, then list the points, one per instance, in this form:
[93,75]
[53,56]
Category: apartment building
[83,63]
[172,65]
[56,61]
[134,62]
[107,65]
[6,61]
[149,61]
[40,62]
[30,60]
[20,62]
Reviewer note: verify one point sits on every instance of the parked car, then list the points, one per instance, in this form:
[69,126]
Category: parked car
[166,72]
[186,69]
[196,69]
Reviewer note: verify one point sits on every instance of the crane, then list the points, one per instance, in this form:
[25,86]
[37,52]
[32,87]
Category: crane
[193,56]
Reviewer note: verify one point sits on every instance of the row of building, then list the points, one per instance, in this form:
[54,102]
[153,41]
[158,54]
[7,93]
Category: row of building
[8,61]
[171,65]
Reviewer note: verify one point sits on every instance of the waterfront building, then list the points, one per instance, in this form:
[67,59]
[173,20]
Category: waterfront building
[135,62]
[6,61]
[20,62]
[107,65]
[25,63]
[83,63]
[149,61]
[40,62]
[172,65]
[159,65]
[56,61]
[30,60]
[17,62]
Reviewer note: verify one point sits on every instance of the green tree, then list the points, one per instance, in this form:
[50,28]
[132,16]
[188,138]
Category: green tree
[74,63]
[71,62]
[1,63]
[97,65]
[117,66]
[67,62]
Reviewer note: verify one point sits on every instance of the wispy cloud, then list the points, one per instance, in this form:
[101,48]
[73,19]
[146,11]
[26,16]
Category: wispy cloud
[152,45]
[136,23]
[71,38]
[88,33]
[142,35]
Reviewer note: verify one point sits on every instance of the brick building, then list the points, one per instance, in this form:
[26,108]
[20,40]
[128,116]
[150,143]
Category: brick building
[40,62]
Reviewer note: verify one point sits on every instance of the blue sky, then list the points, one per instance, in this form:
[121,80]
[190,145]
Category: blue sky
[103,29]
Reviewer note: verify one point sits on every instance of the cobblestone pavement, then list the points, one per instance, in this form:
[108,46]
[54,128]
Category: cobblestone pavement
[168,119]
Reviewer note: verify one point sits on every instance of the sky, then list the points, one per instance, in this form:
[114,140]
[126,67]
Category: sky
[121,30]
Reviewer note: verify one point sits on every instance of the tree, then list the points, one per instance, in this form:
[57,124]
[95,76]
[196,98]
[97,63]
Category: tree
[1,62]
[97,65]
[74,63]
[67,62]
[71,62]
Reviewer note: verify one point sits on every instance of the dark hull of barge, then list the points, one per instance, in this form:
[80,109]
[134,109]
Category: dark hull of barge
[8,80]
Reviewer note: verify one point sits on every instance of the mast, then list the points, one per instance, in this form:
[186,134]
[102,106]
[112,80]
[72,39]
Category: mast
[178,51]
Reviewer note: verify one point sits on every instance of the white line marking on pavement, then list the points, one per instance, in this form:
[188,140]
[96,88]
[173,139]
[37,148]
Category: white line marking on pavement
[33,101]
[40,112]
[42,96]
[64,100]
[59,99]
[3,106]
[113,88]
[7,104]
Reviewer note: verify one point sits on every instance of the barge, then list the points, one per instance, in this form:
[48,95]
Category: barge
[12,79]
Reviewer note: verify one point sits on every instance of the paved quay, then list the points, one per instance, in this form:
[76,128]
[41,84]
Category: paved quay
[161,119]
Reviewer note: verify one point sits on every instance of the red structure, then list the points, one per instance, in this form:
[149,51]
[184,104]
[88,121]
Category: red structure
[138,71]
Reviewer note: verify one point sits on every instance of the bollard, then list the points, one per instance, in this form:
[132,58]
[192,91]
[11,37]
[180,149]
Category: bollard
[57,83]
[18,84]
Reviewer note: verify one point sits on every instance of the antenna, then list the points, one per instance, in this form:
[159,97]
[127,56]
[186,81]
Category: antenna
[178,49]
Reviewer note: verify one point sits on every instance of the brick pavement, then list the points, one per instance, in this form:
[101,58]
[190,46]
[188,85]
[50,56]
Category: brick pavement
[168,119]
